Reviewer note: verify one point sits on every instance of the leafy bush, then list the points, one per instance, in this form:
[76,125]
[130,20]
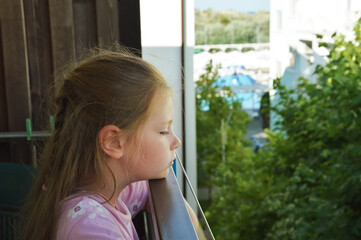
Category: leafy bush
[214,105]
[214,50]
[265,110]
[230,50]
[247,49]
[306,183]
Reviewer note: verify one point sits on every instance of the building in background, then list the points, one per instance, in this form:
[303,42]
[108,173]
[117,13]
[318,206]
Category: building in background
[294,48]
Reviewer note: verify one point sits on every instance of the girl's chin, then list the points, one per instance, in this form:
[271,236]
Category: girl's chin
[165,173]
[161,175]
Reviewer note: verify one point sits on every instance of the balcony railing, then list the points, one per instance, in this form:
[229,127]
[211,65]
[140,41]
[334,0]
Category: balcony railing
[169,211]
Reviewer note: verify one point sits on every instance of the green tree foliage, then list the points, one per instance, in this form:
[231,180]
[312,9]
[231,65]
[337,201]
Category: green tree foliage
[306,183]
[224,20]
[212,27]
[265,110]
[214,105]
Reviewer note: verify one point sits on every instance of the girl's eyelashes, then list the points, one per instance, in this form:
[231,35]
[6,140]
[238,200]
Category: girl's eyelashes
[166,130]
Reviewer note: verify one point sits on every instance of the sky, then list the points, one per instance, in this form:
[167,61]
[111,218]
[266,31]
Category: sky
[237,5]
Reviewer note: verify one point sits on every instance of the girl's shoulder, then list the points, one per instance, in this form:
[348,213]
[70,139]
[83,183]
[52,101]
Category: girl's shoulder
[76,207]
[134,196]
[86,217]
[135,190]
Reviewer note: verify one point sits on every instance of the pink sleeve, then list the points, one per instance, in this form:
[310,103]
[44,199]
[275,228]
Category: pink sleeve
[135,196]
[97,228]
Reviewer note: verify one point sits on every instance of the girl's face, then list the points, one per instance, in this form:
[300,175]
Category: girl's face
[155,150]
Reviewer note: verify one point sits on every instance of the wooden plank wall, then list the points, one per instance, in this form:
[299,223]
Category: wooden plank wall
[37,38]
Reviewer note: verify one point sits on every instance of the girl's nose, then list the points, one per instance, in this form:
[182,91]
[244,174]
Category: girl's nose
[176,143]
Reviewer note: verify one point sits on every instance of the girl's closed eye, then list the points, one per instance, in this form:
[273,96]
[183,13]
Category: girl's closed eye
[164,132]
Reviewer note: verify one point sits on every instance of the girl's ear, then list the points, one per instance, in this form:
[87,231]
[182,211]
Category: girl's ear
[111,140]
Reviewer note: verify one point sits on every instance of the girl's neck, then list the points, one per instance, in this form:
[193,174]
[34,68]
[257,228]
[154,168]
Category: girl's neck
[113,182]
[110,202]
[107,190]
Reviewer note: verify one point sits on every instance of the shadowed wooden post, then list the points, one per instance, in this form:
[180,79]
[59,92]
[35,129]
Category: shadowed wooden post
[39,55]
[107,22]
[16,72]
[62,32]
[84,25]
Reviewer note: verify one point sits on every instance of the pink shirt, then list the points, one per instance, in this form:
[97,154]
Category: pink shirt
[88,217]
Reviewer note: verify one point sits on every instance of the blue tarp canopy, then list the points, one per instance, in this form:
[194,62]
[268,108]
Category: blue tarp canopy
[234,80]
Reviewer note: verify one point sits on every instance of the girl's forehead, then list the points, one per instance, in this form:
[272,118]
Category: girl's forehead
[162,109]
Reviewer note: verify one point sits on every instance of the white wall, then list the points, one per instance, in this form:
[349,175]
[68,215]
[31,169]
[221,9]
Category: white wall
[167,48]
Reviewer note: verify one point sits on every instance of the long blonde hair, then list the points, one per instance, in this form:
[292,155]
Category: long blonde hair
[105,88]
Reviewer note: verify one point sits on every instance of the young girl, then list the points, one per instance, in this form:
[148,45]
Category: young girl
[113,130]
